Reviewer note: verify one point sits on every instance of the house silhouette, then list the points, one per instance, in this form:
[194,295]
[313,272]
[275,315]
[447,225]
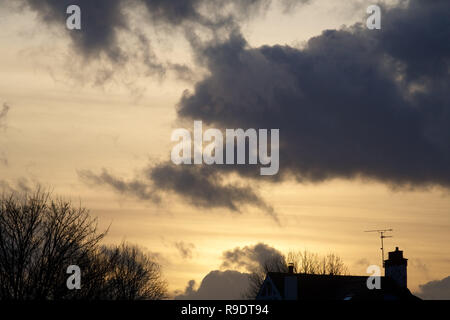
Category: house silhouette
[300,286]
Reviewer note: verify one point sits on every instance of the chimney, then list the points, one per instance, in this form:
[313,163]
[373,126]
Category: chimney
[290,284]
[291,268]
[395,267]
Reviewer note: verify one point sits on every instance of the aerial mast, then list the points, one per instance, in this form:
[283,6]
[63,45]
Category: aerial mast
[382,237]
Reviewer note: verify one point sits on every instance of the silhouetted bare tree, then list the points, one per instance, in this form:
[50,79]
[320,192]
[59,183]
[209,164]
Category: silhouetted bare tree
[332,264]
[303,261]
[40,237]
[312,263]
[132,274]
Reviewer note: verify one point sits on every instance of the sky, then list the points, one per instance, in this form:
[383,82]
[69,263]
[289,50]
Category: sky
[363,118]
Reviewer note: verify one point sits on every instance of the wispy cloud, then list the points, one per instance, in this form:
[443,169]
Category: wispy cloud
[185,249]
[200,186]
[3,113]
[102,39]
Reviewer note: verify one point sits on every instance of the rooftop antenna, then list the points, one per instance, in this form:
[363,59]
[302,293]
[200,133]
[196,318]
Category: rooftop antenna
[382,236]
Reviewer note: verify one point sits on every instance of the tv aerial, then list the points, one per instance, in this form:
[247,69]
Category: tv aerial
[382,237]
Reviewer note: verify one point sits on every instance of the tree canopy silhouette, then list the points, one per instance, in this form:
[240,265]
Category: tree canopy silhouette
[41,236]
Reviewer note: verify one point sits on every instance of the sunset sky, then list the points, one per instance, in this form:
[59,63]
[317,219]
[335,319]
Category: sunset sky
[364,125]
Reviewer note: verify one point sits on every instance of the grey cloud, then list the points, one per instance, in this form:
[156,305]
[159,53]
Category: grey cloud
[212,14]
[20,185]
[251,258]
[290,5]
[3,113]
[185,249]
[200,186]
[352,103]
[173,12]
[420,266]
[413,36]
[103,20]
[5,109]
[363,262]
[98,48]
[4,159]
[233,284]
[159,257]
[435,290]
[134,187]
[183,72]
[100,45]
[203,188]
[217,285]
[188,291]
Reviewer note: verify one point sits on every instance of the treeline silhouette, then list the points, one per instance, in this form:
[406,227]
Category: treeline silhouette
[41,236]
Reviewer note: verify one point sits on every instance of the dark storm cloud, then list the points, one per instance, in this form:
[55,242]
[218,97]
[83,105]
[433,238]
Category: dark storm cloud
[352,103]
[217,285]
[101,20]
[435,290]
[109,47]
[203,187]
[102,23]
[251,258]
[174,12]
[417,37]
[200,186]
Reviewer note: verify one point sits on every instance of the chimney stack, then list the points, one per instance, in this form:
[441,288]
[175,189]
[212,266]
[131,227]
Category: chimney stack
[291,268]
[395,267]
